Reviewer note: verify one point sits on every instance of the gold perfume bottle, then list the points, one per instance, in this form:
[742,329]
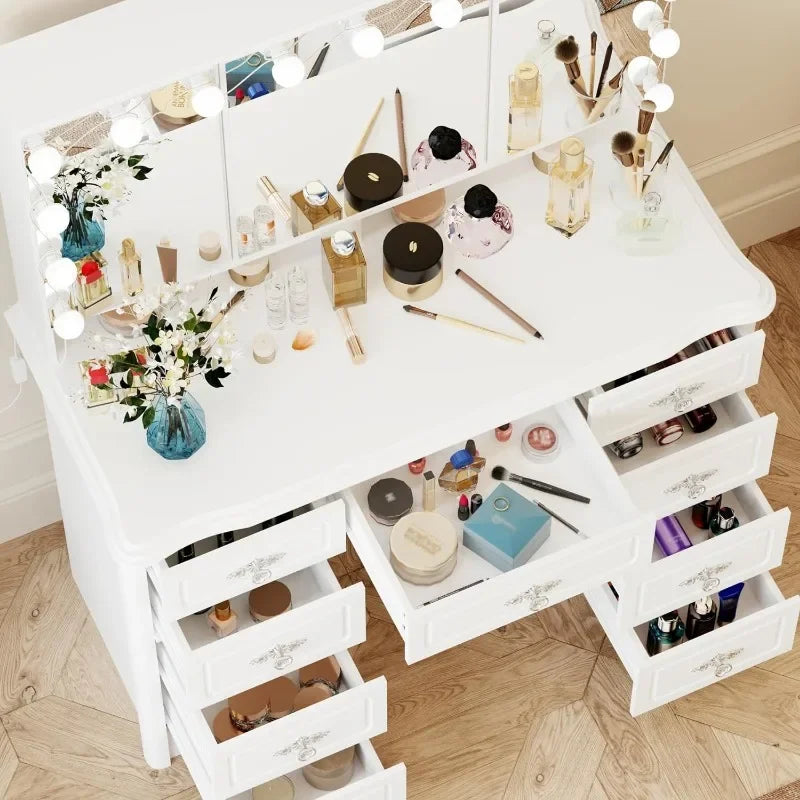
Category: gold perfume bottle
[312,207]
[130,263]
[344,269]
[460,473]
[569,203]
[524,107]
[92,283]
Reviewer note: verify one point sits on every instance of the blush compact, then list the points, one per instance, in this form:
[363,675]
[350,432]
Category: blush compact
[540,442]
[388,500]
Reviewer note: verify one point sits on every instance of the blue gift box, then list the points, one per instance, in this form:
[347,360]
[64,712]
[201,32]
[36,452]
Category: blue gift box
[507,529]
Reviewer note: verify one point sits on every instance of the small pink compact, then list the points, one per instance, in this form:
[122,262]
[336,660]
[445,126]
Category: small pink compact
[540,442]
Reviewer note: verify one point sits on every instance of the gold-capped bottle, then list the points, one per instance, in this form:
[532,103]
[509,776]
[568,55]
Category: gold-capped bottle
[569,202]
[524,107]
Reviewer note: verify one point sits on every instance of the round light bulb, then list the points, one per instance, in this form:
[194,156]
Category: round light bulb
[69,324]
[51,218]
[288,70]
[367,41]
[44,162]
[640,67]
[60,274]
[662,95]
[126,131]
[446,13]
[208,101]
[650,80]
[665,43]
[646,13]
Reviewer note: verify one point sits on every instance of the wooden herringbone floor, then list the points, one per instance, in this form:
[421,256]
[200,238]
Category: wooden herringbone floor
[536,711]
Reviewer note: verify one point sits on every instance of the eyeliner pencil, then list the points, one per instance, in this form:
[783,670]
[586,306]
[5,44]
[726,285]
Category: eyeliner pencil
[659,165]
[604,69]
[560,519]
[460,323]
[363,140]
[317,65]
[401,132]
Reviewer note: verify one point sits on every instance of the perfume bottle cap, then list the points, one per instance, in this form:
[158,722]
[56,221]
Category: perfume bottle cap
[546,28]
[222,611]
[726,519]
[315,193]
[343,243]
[703,605]
[572,152]
[480,201]
[668,622]
[445,143]
[526,79]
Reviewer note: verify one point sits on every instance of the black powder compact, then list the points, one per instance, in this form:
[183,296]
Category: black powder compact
[412,261]
[370,180]
[388,500]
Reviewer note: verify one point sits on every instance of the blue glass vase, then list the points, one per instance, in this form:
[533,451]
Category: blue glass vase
[179,428]
[82,236]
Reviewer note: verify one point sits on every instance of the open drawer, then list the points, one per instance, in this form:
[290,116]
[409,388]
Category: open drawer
[324,619]
[764,628]
[255,557]
[738,449]
[618,539]
[754,547]
[614,412]
[355,714]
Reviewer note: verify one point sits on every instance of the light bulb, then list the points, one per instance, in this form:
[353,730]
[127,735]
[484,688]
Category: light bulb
[68,323]
[208,101]
[650,80]
[446,13]
[60,274]
[645,14]
[640,67]
[126,131]
[665,43]
[367,41]
[44,162]
[51,218]
[662,95]
[288,70]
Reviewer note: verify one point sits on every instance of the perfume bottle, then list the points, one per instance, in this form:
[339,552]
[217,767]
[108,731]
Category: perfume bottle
[245,236]
[723,520]
[664,632]
[130,263]
[569,204]
[264,219]
[524,107]
[312,207]
[701,617]
[460,473]
[222,619]
[275,293]
[95,378]
[705,511]
[344,269]
[92,284]
[443,154]
[297,289]
[477,225]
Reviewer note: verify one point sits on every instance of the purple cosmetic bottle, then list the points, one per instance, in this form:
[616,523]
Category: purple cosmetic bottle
[671,538]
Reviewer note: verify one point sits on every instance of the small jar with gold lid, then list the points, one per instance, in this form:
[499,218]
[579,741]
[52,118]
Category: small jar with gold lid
[312,207]
[412,261]
[370,180]
[344,269]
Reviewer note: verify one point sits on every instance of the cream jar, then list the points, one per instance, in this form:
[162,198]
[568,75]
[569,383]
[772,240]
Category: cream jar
[310,695]
[223,728]
[269,600]
[412,261]
[279,789]
[250,709]
[326,671]
[331,772]
[370,180]
[423,548]
[281,692]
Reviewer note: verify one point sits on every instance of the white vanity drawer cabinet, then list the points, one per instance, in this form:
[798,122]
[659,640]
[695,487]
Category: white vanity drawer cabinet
[256,557]
[355,714]
[764,628]
[736,450]
[754,547]
[324,619]
[675,389]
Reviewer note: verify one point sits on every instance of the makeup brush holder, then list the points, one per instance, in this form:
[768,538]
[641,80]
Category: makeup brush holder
[587,109]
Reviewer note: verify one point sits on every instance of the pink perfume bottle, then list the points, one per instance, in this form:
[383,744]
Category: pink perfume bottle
[443,154]
[477,225]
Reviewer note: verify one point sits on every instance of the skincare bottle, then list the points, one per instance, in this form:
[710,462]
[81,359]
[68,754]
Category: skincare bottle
[264,219]
[723,520]
[628,446]
[664,632]
[524,107]
[222,619]
[728,603]
[297,291]
[245,236]
[344,269]
[670,536]
[700,617]
[569,203]
[92,284]
[130,263]
[705,511]
[312,207]
[477,225]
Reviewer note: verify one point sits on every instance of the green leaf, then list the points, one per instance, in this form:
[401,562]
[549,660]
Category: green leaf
[134,160]
[202,326]
[213,293]
[148,417]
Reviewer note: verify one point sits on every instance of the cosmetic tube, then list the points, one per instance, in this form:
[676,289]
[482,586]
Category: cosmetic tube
[728,603]
[671,538]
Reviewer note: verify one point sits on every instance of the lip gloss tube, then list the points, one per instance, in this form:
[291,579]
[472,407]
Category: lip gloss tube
[671,538]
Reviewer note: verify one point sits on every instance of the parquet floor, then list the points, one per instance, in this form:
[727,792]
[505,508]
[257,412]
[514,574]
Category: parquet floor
[538,710]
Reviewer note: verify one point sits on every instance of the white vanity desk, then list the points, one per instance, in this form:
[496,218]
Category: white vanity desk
[314,428]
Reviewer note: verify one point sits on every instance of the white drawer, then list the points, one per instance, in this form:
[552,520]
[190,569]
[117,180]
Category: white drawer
[754,547]
[256,557]
[354,715]
[736,450]
[324,619]
[764,628]
[676,389]
[619,539]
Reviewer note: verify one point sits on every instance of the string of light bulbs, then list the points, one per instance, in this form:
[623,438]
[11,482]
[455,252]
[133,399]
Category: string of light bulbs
[665,42]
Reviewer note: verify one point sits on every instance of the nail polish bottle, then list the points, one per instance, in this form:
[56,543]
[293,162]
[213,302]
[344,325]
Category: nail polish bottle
[704,512]
[503,432]
[463,508]
[728,603]
[664,632]
[667,432]
[222,619]
[417,466]
[723,520]
[475,502]
[628,446]
[700,617]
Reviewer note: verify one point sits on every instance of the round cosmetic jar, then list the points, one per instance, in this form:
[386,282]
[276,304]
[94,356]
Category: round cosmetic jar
[427,209]
[628,446]
[331,772]
[423,548]
[250,274]
[327,671]
[370,180]
[540,442]
[223,727]
[281,692]
[388,500]
[269,600]
[412,261]
[250,709]
[279,789]
[312,694]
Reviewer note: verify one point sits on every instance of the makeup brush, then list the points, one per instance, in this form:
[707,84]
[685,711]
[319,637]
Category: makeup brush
[639,171]
[660,161]
[502,474]
[401,132]
[622,145]
[317,65]
[593,54]
[647,113]
[567,52]
[606,95]
[460,323]
[364,136]
[604,70]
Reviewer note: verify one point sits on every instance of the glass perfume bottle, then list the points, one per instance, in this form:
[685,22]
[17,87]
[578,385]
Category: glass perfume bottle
[701,616]
[664,632]
[92,284]
[312,207]
[264,219]
[344,269]
[724,520]
[443,154]
[275,292]
[460,473]
[524,107]
[297,287]
[569,203]
[477,224]
[130,263]
[245,236]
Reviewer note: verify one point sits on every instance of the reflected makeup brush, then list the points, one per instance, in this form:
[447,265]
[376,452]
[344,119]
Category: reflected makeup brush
[604,70]
[567,52]
[647,113]
[622,145]
[607,95]
[659,165]
[593,54]
[639,171]
[502,474]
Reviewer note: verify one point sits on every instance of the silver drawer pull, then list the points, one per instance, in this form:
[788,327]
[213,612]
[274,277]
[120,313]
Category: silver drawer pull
[680,398]
[304,746]
[692,485]
[708,577]
[258,569]
[280,654]
[536,596]
[719,663]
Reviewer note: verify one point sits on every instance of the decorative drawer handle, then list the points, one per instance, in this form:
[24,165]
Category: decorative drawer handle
[707,576]
[693,484]
[304,746]
[258,569]
[280,654]
[536,596]
[719,663]
[680,398]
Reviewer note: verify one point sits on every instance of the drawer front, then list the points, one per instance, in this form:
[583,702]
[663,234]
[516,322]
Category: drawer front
[524,591]
[710,467]
[264,651]
[705,568]
[717,655]
[387,785]
[261,557]
[675,390]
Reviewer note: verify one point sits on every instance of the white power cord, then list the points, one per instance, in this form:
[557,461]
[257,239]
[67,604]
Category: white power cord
[19,372]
